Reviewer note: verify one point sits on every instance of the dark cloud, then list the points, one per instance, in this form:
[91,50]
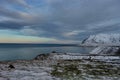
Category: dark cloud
[12,25]
[62,19]
[13,14]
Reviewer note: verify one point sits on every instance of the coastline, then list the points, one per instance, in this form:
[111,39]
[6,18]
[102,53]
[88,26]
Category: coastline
[58,66]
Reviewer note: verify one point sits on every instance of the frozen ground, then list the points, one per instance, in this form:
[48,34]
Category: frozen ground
[26,70]
[63,67]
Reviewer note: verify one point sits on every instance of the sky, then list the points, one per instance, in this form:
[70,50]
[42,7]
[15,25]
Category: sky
[57,21]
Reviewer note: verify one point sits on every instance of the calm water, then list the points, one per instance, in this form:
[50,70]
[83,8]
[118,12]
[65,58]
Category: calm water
[25,52]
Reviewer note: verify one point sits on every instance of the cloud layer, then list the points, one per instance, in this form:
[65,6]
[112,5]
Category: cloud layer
[61,20]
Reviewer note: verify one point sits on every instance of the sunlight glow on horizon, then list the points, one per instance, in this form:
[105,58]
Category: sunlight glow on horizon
[8,38]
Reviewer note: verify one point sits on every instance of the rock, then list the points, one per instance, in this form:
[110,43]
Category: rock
[54,52]
[11,66]
[42,57]
[118,52]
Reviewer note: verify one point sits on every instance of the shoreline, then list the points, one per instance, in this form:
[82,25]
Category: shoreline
[73,56]
[58,66]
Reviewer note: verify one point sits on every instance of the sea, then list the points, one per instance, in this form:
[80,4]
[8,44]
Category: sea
[13,51]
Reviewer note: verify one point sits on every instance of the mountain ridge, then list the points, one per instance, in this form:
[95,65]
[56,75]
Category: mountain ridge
[102,39]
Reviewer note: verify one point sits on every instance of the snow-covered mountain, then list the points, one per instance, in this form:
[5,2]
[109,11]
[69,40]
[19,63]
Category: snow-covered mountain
[107,39]
[106,51]
[108,44]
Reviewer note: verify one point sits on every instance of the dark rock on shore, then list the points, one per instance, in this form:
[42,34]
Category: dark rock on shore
[11,66]
[42,57]
[118,52]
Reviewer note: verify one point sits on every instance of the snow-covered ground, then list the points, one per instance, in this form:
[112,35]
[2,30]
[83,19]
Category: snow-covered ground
[54,68]
[26,70]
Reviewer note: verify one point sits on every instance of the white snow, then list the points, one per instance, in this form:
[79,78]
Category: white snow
[99,39]
[105,50]
[26,70]
[107,44]
[40,69]
[81,57]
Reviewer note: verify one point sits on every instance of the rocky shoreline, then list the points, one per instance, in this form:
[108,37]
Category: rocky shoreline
[62,66]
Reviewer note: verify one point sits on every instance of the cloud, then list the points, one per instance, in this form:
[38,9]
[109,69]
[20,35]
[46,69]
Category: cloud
[61,19]
[73,33]
[27,30]
[14,14]
[104,24]
[9,24]
[22,3]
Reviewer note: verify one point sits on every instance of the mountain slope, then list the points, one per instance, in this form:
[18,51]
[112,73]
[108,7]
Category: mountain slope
[99,39]
[107,44]
[106,51]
